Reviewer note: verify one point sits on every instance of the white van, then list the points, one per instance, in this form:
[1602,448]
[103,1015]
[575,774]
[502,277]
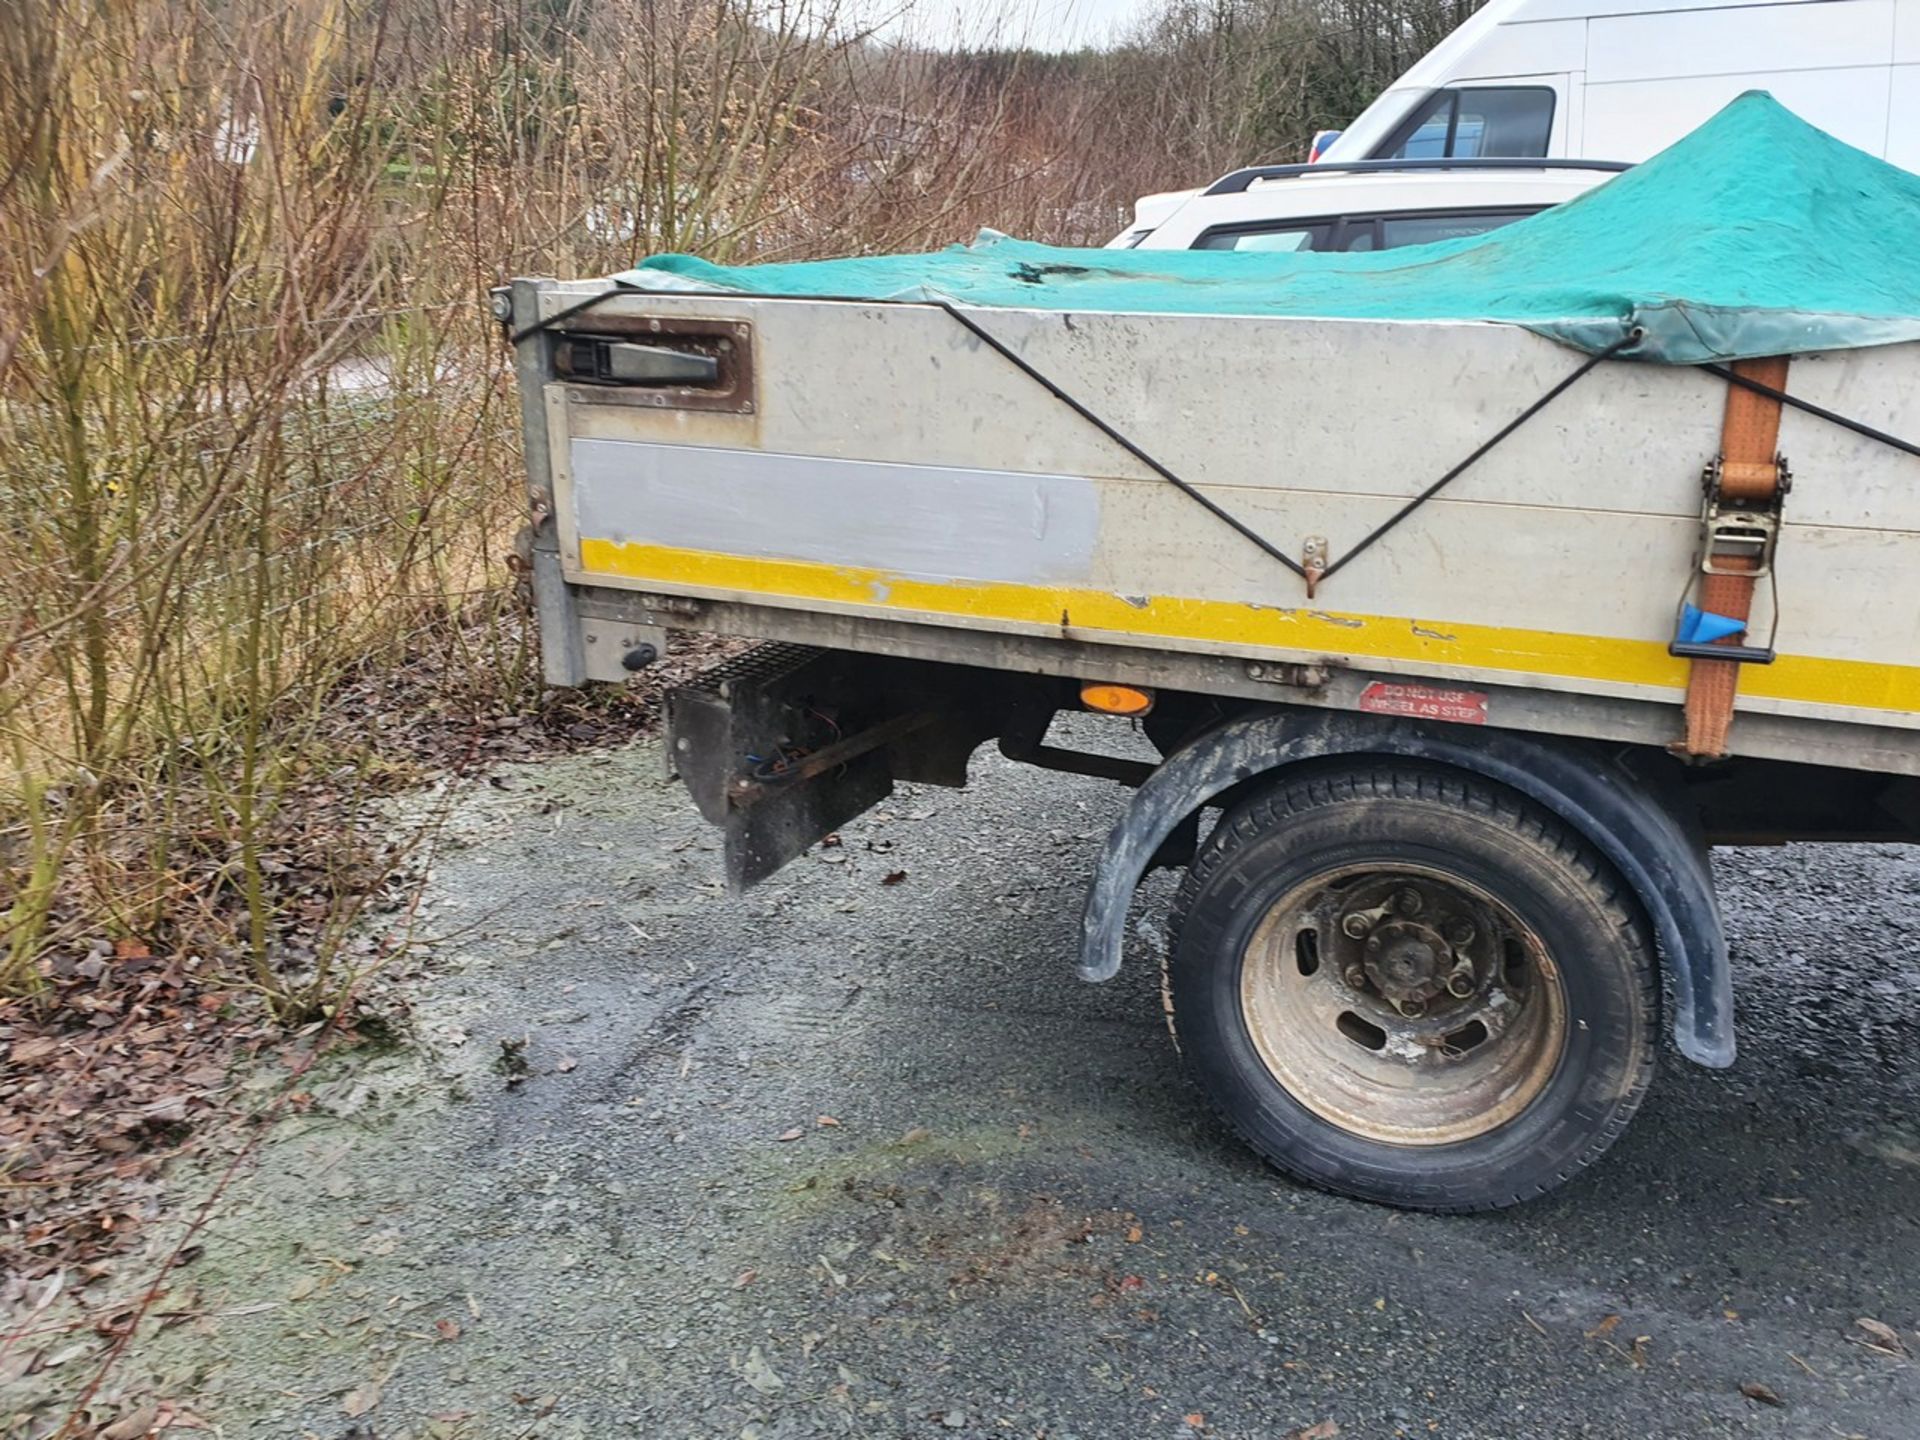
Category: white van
[1621,79]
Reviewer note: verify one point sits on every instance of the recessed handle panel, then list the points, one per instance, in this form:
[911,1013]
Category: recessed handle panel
[659,361]
[629,362]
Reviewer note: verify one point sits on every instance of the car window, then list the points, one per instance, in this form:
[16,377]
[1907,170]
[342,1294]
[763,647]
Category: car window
[1477,122]
[1360,232]
[1265,238]
[1397,230]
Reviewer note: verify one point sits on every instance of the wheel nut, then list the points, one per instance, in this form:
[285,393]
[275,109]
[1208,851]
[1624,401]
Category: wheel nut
[1409,902]
[1356,977]
[1459,931]
[1412,1009]
[1460,984]
[1357,924]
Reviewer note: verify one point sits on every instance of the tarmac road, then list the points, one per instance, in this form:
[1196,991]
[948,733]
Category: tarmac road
[1004,1211]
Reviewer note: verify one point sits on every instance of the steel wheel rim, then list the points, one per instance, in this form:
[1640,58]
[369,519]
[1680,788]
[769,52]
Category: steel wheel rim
[1403,1004]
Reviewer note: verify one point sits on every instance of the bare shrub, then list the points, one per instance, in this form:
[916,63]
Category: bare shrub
[258,433]
[258,437]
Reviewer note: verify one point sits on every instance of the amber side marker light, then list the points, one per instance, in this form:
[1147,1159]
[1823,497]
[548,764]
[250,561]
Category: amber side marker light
[1115,699]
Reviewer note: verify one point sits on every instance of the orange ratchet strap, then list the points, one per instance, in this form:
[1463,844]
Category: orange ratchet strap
[1740,525]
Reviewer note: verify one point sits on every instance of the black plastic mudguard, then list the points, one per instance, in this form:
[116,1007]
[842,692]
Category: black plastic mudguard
[1627,815]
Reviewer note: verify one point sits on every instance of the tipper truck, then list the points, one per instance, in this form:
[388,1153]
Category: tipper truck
[1468,594]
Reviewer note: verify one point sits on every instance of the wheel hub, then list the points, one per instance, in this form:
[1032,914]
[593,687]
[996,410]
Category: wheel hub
[1407,962]
[1402,1003]
[1412,944]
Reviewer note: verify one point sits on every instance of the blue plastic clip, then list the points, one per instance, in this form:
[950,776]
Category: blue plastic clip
[1703,627]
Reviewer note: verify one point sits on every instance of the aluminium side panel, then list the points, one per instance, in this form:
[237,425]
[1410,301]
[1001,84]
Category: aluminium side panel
[893,467]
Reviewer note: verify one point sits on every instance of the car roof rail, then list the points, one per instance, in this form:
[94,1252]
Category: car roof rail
[1240,180]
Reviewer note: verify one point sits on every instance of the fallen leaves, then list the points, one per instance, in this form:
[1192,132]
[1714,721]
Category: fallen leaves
[760,1375]
[1754,1390]
[1323,1430]
[361,1400]
[28,1052]
[893,877]
[133,1425]
[1878,1336]
[447,1329]
[788,1135]
[117,1067]
[154,1418]
[1637,1356]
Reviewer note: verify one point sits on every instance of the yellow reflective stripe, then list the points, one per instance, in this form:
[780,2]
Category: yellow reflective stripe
[1804,678]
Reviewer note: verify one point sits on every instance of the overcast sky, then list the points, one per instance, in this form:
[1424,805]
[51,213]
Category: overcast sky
[1041,24]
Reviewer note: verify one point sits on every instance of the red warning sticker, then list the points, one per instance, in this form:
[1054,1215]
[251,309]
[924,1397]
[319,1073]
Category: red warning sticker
[1425,702]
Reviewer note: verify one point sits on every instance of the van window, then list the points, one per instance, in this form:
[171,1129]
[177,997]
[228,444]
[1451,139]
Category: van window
[1511,120]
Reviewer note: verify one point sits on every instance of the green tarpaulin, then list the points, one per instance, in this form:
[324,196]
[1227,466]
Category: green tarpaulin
[1755,235]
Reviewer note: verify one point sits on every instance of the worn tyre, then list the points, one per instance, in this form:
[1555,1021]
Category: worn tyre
[1403,983]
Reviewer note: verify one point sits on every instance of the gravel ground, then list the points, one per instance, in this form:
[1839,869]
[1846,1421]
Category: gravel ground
[855,1155]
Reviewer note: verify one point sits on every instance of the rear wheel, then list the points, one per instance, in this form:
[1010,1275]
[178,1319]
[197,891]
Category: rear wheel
[1412,986]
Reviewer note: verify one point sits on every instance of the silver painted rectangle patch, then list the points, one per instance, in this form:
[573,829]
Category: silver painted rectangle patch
[926,521]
